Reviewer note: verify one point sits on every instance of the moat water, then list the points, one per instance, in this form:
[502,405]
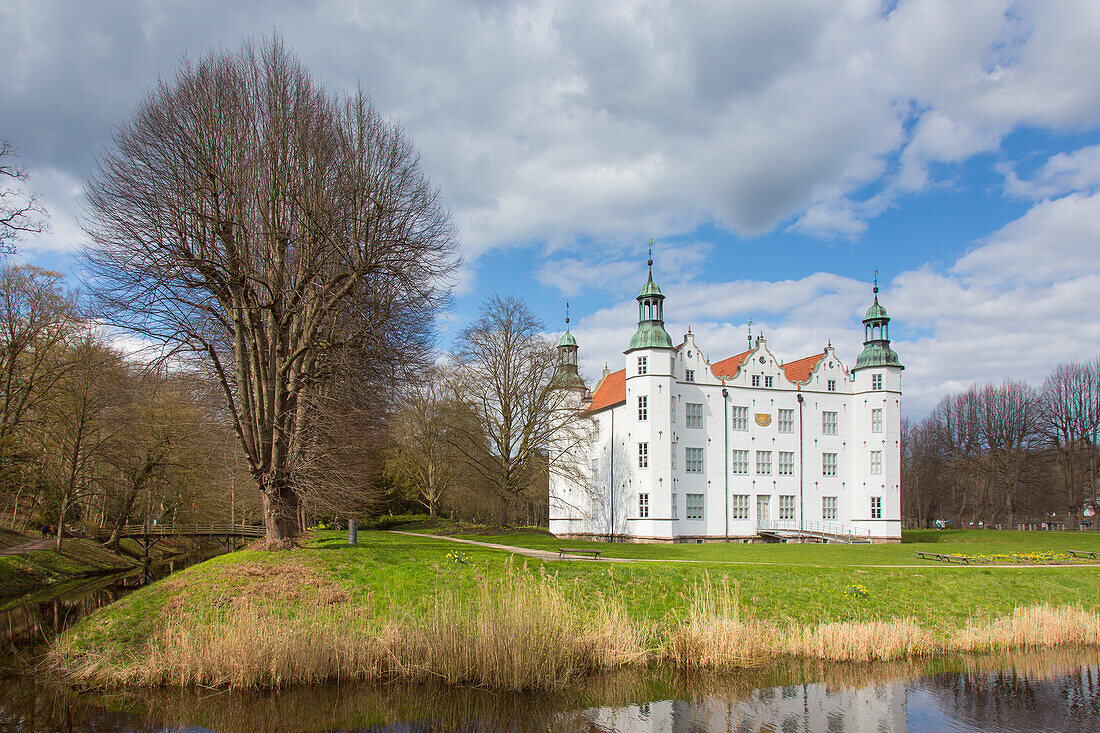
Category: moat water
[1051,691]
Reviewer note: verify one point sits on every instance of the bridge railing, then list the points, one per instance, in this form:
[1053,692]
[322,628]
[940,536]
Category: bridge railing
[194,530]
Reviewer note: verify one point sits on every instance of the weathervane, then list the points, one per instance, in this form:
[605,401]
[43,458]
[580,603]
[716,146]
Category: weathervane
[750,334]
[651,252]
[876,281]
[567,315]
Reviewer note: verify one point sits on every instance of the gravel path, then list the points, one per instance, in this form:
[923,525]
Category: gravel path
[31,546]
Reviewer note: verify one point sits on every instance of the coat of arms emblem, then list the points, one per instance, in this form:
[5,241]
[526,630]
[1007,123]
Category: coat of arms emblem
[763,419]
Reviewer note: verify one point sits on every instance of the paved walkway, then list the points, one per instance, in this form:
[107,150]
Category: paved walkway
[546,555]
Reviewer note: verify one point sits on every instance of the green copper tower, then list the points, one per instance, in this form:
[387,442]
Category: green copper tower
[876,337]
[566,375]
[651,333]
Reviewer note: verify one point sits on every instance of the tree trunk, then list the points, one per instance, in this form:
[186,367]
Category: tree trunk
[433,511]
[61,522]
[280,511]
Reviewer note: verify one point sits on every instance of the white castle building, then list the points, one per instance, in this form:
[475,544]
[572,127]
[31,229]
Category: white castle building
[685,450]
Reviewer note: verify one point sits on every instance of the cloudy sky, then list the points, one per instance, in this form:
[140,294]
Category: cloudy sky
[778,152]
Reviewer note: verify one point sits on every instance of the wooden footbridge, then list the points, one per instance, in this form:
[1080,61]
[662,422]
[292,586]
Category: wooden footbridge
[224,534]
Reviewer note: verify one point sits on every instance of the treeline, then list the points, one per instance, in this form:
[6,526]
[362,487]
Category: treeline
[92,437]
[1008,455]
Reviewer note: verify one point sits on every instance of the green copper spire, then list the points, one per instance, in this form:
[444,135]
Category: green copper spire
[567,375]
[651,333]
[567,338]
[876,344]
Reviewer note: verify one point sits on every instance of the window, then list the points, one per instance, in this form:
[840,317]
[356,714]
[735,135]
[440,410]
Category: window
[769,381]
[693,506]
[643,455]
[672,411]
[642,365]
[740,418]
[786,421]
[786,463]
[755,380]
[876,507]
[689,375]
[876,463]
[693,415]
[876,420]
[693,460]
[643,506]
[739,506]
[740,463]
[828,423]
[828,507]
[876,381]
[674,506]
[594,465]
[764,462]
[828,464]
[786,507]
[673,458]
[643,408]
[831,385]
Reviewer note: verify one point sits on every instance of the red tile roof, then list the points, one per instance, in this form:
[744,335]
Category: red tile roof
[799,371]
[610,391]
[728,367]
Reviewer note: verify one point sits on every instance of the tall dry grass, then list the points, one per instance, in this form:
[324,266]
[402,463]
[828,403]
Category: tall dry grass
[1031,627]
[522,632]
[713,634]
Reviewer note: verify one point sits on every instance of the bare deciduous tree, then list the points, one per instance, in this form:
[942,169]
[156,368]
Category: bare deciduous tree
[524,422]
[20,212]
[426,429]
[242,214]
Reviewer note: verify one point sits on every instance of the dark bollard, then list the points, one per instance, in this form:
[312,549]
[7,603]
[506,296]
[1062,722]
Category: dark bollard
[353,531]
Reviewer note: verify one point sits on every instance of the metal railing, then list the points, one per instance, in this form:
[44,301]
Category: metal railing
[826,529]
[194,530]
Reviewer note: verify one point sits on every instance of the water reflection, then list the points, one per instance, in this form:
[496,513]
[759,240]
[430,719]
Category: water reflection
[1047,692]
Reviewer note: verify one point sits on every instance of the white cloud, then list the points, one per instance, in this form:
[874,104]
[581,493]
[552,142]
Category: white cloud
[550,120]
[1062,173]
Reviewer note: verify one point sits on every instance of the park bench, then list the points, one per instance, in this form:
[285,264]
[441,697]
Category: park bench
[1090,554]
[563,551]
[944,558]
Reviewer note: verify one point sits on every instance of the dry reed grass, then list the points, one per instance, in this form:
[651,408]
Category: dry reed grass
[869,641]
[521,632]
[1032,627]
[714,635]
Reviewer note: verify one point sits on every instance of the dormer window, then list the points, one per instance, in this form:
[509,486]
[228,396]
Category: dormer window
[755,380]
[689,375]
[769,381]
[831,385]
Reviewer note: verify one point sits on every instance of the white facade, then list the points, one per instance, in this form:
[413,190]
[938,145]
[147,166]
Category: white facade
[686,450]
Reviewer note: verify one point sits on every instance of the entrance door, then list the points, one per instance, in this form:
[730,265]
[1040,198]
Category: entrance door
[763,507]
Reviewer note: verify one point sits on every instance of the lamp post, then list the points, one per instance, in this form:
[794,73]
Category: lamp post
[801,470]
